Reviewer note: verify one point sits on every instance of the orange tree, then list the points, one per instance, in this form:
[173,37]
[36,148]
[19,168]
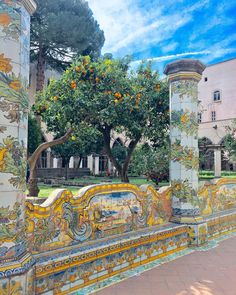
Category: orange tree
[109,96]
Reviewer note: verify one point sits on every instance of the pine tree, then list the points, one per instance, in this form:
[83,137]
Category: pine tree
[60,30]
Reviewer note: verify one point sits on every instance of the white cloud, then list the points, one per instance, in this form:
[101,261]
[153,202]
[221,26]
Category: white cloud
[218,52]
[218,49]
[129,28]
[118,18]
[169,47]
[173,56]
[216,21]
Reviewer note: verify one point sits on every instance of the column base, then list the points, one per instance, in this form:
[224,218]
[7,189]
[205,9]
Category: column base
[17,277]
[198,231]
[19,284]
[16,267]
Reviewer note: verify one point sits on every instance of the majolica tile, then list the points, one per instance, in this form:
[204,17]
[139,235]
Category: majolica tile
[24,70]
[175,132]
[187,142]
[18,285]
[22,135]
[25,61]
[11,49]
[4,286]
[47,293]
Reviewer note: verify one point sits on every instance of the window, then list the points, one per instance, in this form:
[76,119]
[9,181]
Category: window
[213,116]
[216,95]
[205,79]
[199,117]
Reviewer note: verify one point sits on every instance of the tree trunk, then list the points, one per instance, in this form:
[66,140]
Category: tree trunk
[124,176]
[41,66]
[107,140]
[122,170]
[32,185]
[131,147]
[66,168]
[66,171]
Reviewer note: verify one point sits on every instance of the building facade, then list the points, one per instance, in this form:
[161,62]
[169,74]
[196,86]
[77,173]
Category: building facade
[217,110]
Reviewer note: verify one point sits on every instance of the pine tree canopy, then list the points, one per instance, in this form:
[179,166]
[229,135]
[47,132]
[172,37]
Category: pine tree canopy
[62,29]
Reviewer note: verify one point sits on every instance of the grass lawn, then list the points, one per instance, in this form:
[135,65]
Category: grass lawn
[208,175]
[46,190]
[99,179]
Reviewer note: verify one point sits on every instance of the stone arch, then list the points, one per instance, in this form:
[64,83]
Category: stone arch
[225,163]
[206,154]
[117,141]
[204,141]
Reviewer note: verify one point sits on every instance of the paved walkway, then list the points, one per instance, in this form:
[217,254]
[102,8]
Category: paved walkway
[210,272]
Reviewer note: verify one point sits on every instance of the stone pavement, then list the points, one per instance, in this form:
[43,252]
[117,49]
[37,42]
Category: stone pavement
[211,272]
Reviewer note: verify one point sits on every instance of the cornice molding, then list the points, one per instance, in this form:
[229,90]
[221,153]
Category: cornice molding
[30,5]
[184,76]
[184,65]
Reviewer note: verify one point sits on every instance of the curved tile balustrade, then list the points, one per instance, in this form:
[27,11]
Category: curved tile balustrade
[95,212]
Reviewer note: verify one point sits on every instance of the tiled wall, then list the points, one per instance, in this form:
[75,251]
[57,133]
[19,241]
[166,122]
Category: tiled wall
[217,196]
[80,267]
[14,55]
[184,147]
[103,211]
[97,212]
[81,256]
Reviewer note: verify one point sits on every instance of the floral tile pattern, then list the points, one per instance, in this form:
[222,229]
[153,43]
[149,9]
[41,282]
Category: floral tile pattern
[13,115]
[107,232]
[217,197]
[100,212]
[188,157]
[10,20]
[185,121]
[184,149]
[186,90]
[109,261]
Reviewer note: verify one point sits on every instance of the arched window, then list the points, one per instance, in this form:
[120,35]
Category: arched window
[216,95]
[206,154]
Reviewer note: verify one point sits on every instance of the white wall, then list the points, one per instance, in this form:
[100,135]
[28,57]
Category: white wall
[222,77]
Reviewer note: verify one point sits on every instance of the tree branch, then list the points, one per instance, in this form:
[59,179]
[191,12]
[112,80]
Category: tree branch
[33,159]
[107,140]
[131,148]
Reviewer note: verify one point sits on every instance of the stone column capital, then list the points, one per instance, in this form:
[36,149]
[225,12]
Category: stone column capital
[184,69]
[30,5]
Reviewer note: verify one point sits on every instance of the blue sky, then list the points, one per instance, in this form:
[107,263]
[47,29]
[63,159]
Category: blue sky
[164,30]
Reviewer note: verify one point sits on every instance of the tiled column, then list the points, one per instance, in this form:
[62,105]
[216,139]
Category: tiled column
[183,76]
[217,162]
[14,74]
